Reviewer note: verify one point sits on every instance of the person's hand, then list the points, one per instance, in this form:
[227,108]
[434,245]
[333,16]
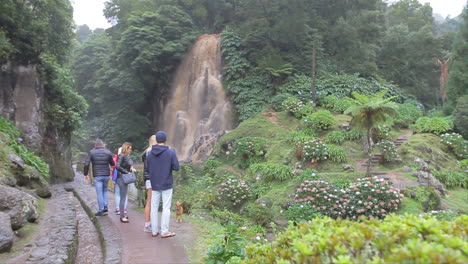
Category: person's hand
[133,169]
[86,178]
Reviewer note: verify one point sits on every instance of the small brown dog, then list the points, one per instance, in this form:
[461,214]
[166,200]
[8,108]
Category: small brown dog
[179,211]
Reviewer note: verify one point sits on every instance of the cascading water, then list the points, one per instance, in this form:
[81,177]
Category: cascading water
[197,112]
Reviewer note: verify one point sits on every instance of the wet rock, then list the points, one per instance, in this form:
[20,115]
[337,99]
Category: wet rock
[16,160]
[204,145]
[6,234]
[345,127]
[407,169]
[21,206]
[348,167]
[33,179]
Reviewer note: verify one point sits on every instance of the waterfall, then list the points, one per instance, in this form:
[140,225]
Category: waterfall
[197,112]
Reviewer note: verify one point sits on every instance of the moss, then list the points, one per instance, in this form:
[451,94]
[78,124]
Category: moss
[410,206]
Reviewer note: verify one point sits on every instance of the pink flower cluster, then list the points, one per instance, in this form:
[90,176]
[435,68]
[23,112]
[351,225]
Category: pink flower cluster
[371,197]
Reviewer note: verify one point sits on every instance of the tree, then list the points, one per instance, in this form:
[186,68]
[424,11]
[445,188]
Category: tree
[370,111]
[83,33]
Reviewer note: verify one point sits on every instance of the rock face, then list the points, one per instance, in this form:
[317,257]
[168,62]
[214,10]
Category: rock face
[20,206]
[29,177]
[6,234]
[203,146]
[425,177]
[22,102]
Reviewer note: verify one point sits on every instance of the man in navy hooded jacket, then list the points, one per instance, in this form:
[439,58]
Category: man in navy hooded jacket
[161,162]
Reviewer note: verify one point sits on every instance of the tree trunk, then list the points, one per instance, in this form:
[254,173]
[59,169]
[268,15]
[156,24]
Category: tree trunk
[369,152]
[313,75]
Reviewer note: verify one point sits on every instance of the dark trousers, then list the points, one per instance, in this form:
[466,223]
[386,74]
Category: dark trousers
[123,195]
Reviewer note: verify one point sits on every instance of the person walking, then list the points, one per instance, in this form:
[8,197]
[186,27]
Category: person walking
[146,178]
[101,158]
[124,166]
[116,187]
[161,161]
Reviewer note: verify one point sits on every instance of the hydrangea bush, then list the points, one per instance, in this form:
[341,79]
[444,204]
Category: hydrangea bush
[233,193]
[389,150]
[314,150]
[250,150]
[370,197]
[292,105]
[456,143]
[382,132]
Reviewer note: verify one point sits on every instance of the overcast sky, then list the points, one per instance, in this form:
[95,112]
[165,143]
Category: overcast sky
[89,12]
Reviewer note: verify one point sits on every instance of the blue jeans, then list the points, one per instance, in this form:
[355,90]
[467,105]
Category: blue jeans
[117,197]
[156,196]
[100,182]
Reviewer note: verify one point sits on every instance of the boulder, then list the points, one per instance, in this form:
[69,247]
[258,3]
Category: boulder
[33,179]
[16,160]
[6,234]
[20,206]
[407,169]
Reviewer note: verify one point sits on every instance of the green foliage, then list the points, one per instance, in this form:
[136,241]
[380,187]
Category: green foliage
[314,150]
[436,125]
[65,106]
[455,143]
[293,105]
[28,157]
[370,197]
[452,179]
[231,47]
[233,193]
[272,171]
[388,150]
[250,150]
[301,212]
[260,214]
[277,101]
[460,115]
[231,245]
[408,113]
[299,137]
[336,153]
[382,132]
[320,120]
[210,166]
[342,104]
[354,134]
[396,239]
[335,137]
[463,164]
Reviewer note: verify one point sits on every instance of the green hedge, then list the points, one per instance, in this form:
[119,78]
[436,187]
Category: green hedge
[397,239]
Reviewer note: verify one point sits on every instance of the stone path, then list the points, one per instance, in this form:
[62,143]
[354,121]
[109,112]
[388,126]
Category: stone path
[130,244]
[397,178]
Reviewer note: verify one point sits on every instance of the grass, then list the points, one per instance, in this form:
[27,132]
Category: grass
[410,206]
[457,200]
[208,233]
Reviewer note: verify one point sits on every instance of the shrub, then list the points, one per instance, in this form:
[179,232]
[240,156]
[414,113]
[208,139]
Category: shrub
[381,132]
[277,101]
[335,137]
[407,114]
[371,197]
[329,102]
[452,179]
[272,171]
[300,212]
[250,150]
[226,217]
[397,239]
[292,105]
[320,120]
[233,193]
[388,150]
[460,115]
[210,166]
[435,125]
[463,164]
[342,104]
[456,143]
[231,246]
[314,150]
[308,174]
[354,134]
[259,214]
[299,137]
[336,153]
[306,109]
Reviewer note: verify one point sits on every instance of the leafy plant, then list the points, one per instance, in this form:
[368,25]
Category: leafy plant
[300,212]
[335,137]
[388,150]
[435,125]
[452,179]
[354,134]
[233,193]
[320,120]
[342,104]
[336,153]
[299,137]
[396,239]
[382,132]
[250,150]
[259,214]
[293,105]
[455,142]
[463,164]
[408,113]
[272,171]
[314,150]
[231,245]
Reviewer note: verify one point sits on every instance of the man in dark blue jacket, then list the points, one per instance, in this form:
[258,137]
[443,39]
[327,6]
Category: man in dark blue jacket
[102,160]
[161,161]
